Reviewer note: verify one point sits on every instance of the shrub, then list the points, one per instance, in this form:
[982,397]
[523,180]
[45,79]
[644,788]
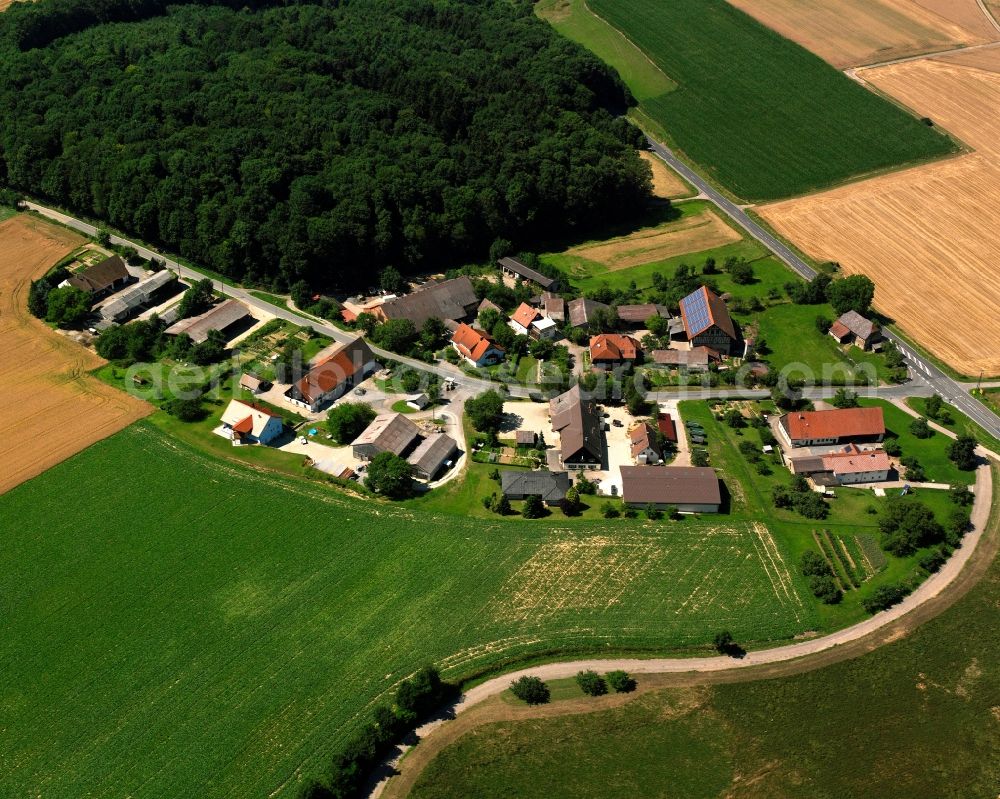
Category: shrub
[885,597]
[591,683]
[933,560]
[609,511]
[825,588]
[891,447]
[533,507]
[812,563]
[920,428]
[653,513]
[962,453]
[722,641]
[187,410]
[620,681]
[531,690]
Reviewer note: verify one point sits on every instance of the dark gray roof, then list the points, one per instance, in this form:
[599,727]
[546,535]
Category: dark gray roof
[857,324]
[432,452]
[452,299]
[578,422]
[550,486]
[526,272]
[389,432]
[671,485]
[100,276]
[220,317]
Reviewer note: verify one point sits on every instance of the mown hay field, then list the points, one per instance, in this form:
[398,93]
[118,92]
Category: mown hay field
[695,232]
[848,33]
[761,115]
[966,13]
[50,407]
[666,183]
[929,237]
[179,626]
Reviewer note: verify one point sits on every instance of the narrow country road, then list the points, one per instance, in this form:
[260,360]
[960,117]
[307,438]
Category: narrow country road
[806,654]
[939,382]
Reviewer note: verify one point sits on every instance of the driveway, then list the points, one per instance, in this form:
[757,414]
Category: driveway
[683,457]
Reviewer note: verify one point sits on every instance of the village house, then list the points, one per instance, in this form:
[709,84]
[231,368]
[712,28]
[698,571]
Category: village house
[476,347]
[645,449]
[690,489]
[246,423]
[578,422]
[101,279]
[522,272]
[388,432]
[852,327]
[554,307]
[707,323]
[432,455]
[849,466]
[527,321]
[333,376]
[837,426]
[611,349]
[550,487]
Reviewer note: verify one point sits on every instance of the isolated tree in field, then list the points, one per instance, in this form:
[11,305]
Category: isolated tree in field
[531,690]
[348,420]
[591,683]
[67,306]
[884,597]
[486,412]
[709,267]
[962,453]
[854,293]
[197,299]
[920,428]
[933,406]
[722,641]
[533,507]
[741,272]
[187,410]
[390,475]
[621,682]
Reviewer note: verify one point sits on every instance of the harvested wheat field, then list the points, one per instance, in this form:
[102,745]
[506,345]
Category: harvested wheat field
[967,13]
[987,58]
[694,233]
[847,33]
[930,236]
[666,183]
[50,407]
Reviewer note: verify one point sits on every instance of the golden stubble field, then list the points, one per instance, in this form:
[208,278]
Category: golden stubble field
[848,33]
[930,236]
[667,184]
[50,407]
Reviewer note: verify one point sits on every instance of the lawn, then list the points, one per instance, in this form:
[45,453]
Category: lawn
[196,628]
[757,112]
[574,21]
[6,212]
[915,719]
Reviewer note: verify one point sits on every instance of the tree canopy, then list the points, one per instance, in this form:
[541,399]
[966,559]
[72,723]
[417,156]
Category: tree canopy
[315,140]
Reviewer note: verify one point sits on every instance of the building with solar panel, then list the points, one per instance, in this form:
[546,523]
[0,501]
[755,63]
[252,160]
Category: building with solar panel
[707,323]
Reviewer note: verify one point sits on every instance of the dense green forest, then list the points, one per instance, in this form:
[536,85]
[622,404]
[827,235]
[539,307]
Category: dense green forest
[315,139]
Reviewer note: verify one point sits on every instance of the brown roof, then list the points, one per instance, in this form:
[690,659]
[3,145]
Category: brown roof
[643,438]
[451,299]
[696,356]
[471,343]
[667,426]
[555,306]
[581,310]
[220,317]
[250,381]
[488,305]
[703,308]
[839,329]
[525,437]
[613,347]
[578,422]
[670,485]
[524,315]
[636,314]
[838,423]
[100,276]
[389,432]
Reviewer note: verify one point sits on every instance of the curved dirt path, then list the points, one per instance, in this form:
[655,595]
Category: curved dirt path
[482,704]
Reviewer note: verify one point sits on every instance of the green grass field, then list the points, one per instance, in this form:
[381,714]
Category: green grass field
[6,212]
[761,115]
[196,628]
[917,719]
[960,423]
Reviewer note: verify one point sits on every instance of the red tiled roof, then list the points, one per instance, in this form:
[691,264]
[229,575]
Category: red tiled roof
[642,438]
[471,343]
[325,376]
[667,426]
[613,347]
[525,315]
[838,423]
[854,460]
[244,425]
[839,329]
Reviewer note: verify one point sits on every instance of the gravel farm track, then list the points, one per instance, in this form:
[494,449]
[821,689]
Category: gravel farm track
[51,408]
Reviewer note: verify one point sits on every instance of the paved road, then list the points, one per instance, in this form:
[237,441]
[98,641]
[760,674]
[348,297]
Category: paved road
[949,389]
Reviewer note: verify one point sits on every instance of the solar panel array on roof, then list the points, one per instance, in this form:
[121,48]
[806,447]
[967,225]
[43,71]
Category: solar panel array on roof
[695,308]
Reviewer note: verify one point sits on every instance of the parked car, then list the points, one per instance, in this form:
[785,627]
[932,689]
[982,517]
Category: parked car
[617,423]
[360,392]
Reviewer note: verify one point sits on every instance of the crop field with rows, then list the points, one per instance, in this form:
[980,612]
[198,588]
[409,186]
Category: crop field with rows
[195,627]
